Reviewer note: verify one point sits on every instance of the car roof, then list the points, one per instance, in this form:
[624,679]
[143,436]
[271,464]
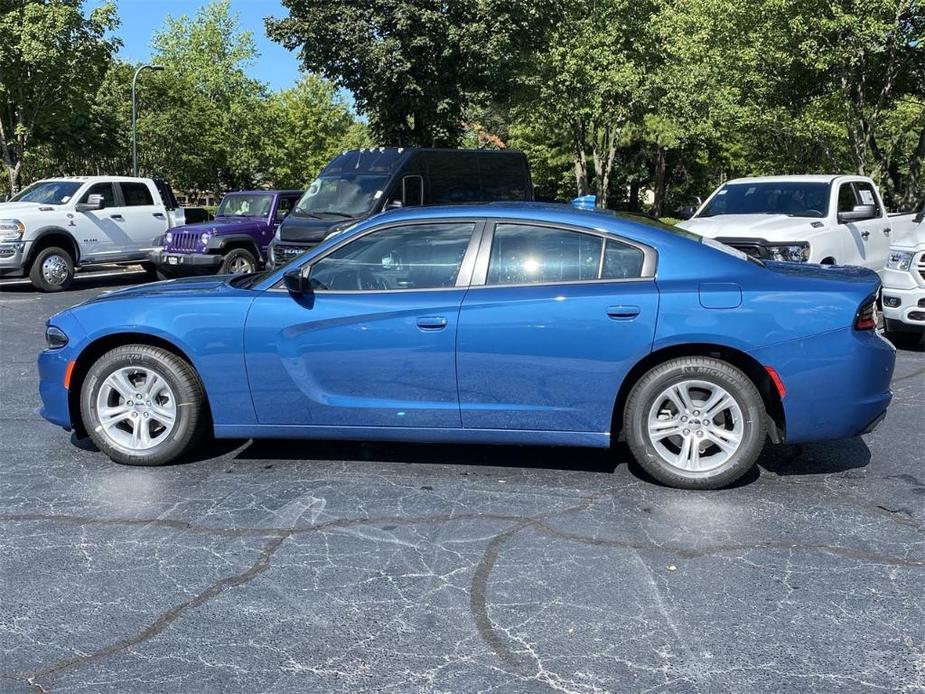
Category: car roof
[802,178]
[637,227]
[90,179]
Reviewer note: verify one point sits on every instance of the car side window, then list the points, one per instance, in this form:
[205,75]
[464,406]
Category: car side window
[865,193]
[104,189]
[284,207]
[416,256]
[846,199]
[528,254]
[136,194]
[621,261]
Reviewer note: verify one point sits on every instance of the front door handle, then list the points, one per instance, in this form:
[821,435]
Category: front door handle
[887,231]
[431,323]
[865,234]
[159,215]
[622,312]
[117,217]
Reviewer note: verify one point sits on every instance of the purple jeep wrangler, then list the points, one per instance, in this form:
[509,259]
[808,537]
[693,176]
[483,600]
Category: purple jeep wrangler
[234,242]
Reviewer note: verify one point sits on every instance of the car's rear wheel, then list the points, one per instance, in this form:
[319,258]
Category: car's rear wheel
[695,423]
[52,270]
[238,261]
[143,405]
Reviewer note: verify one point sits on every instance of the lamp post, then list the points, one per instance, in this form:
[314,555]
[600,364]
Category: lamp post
[135,116]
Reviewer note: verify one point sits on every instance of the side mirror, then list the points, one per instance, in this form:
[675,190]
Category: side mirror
[298,281]
[687,212]
[94,202]
[858,214]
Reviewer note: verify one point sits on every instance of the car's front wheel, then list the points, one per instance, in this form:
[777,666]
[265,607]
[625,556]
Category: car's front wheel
[238,261]
[52,270]
[695,423]
[143,405]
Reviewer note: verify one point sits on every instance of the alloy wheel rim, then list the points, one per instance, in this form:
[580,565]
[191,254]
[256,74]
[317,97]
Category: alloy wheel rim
[136,408]
[54,269]
[240,266]
[695,426]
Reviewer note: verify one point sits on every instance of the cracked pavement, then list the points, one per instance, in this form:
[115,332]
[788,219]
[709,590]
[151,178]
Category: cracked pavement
[338,567]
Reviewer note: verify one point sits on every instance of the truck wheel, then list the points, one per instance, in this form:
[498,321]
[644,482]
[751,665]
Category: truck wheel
[238,261]
[143,405]
[52,270]
[695,423]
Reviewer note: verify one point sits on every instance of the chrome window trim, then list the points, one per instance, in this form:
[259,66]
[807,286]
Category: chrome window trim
[479,279]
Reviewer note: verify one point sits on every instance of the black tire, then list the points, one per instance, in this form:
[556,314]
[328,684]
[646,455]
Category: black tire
[191,417]
[150,268]
[63,263]
[238,257]
[713,371]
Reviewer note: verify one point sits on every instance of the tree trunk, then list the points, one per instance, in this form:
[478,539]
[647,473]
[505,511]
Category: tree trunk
[915,185]
[661,161]
[634,197]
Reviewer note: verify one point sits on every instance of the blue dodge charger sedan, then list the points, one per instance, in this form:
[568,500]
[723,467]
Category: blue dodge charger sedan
[500,323]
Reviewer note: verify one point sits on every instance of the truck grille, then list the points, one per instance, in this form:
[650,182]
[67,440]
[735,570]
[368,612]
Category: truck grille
[184,241]
[283,254]
[920,265]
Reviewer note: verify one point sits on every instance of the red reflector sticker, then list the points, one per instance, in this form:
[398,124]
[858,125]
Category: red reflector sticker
[68,372]
[775,379]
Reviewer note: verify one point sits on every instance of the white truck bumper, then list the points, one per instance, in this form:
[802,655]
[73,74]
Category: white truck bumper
[903,301]
[13,256]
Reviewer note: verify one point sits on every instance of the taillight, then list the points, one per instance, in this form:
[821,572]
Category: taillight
[867,315]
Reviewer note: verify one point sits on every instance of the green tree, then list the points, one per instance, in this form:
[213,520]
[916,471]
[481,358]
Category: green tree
[414,65]
[202,119]
[52,60]
[306,126]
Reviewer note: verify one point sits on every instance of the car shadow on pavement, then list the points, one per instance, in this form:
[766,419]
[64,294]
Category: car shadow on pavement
[542,457]
[83,282]
[826,458]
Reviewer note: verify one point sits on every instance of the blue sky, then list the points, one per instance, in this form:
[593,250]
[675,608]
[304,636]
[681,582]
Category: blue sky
[140,18]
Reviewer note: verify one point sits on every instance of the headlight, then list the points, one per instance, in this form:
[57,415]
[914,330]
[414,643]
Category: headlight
[168,238]
[205,238]
[898,260]
[789,252]
[55,337]
[11,229]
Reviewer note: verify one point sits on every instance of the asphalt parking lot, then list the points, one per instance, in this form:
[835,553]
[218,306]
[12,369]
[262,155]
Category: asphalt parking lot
[331,567]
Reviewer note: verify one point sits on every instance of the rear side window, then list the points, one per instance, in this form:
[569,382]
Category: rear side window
[136,194]
[104,189]
[621,261]
[527,254]
[284,207]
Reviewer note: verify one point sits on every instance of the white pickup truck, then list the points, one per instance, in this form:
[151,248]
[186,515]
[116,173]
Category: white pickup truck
[904,277]
[57,225]
[818,219]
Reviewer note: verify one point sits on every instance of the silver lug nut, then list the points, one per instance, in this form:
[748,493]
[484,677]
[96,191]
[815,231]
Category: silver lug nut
[685,432]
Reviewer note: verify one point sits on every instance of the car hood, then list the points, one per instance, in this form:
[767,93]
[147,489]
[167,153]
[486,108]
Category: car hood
[308,229]
[171,288]
[16,209]
[220,225]
[776,227]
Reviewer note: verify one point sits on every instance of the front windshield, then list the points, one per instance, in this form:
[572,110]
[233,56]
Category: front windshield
[48,192]
[250,205]
[793,199]
[346,195]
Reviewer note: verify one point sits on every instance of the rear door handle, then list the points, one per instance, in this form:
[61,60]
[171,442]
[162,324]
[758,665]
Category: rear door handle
[865,234]
[622,312]
[117,217]
[431,323]
[887,231]
[159,215]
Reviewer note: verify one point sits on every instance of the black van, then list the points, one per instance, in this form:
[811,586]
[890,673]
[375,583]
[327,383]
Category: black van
[360,183]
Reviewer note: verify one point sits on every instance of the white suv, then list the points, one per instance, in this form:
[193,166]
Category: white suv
[57,225]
